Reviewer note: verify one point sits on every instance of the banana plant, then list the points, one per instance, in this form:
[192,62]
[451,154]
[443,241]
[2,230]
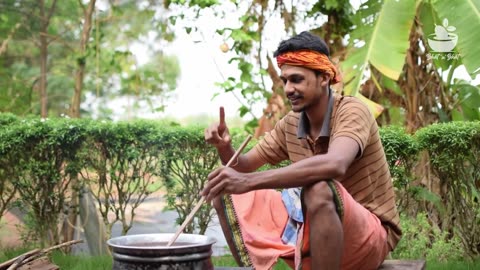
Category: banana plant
[381,39]
[465,17]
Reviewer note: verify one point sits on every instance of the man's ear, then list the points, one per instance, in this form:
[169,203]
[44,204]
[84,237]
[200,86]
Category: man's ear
[325,79]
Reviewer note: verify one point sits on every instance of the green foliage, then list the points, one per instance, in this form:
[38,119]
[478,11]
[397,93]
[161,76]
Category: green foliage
[111,68]
[7,253]
[121,166]
[339,24]
[374,22]
[454,265]
[16,93]
[39,159]
[465,19]
[20,63]
[401,151]
[422,240]
[81,262]
[451,144]
[115,71]
[124,162]
[454,150]
[64,261]
[7,119]
[246,43]
[186,162]
[7,170]
[467,106]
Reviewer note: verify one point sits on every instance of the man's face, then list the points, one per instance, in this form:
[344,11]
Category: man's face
[302,87]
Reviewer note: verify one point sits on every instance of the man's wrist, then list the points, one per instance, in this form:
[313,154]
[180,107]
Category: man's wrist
[225,151]
[233,163]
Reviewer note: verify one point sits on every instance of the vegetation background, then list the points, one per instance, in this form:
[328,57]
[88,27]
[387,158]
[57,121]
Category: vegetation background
[63,60]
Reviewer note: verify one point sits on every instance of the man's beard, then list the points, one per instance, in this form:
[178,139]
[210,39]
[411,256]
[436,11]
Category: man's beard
[298,109]
[296,97]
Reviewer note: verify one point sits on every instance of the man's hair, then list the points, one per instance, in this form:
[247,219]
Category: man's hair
[303,41]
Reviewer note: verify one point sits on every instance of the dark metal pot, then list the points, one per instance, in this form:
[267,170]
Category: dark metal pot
[150,252]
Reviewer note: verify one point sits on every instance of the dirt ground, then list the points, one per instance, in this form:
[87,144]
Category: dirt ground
[9,234]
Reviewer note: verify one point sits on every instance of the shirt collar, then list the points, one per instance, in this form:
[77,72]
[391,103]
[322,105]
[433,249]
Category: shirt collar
[304,125]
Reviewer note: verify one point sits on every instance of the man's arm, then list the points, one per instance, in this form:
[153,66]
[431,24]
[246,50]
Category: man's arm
[333,164]
[341,153]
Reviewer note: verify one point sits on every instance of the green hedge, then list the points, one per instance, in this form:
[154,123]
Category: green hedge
[454,154]
[38,158]
[186,162]
[435,170]
[120,163]
[402,152]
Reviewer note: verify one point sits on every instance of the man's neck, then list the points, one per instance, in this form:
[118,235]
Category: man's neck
[316,116]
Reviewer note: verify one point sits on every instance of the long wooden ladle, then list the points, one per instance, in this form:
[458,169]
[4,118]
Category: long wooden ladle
[202,200]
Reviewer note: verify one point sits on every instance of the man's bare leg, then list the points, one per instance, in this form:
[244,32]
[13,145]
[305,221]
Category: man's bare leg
[326,231]
[217,204]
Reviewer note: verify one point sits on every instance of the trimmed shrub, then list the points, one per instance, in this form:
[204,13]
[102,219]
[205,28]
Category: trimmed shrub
[124,162]
[454,149]
[41,154]
[186,162]
[120,164]
[401,151]
[8,170]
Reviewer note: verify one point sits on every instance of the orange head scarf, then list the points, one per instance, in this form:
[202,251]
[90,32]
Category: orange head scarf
[309,59]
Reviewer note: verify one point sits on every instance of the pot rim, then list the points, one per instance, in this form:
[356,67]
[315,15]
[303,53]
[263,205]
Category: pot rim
[196,240]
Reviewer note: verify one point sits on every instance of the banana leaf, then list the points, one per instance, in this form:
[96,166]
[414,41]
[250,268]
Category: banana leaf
[385,44]
[429,19]
[464,16]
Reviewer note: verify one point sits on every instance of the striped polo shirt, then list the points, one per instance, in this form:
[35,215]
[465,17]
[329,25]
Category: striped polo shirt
[367,179]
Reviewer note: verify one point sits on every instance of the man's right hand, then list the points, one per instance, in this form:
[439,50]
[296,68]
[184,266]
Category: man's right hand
[217,134]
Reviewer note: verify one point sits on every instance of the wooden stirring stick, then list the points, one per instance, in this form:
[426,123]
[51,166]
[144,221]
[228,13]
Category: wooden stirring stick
[202,200]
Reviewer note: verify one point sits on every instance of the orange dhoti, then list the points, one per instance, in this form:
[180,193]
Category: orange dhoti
[257,221]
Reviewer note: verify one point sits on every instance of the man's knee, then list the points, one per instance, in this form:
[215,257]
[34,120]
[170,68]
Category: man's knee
[318,198]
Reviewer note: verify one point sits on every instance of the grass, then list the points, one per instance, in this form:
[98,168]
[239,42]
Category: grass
[82,262]
[229,261]
[453,265]
[460,265]
[72,262]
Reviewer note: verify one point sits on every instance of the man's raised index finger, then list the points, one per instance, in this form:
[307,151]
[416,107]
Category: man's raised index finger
[222,116]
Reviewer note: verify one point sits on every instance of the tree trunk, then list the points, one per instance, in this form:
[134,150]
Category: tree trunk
[81,62]
[43,60]
[422,85]
[94,229]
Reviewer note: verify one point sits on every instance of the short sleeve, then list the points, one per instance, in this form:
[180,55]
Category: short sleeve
[273,147]
[354,120]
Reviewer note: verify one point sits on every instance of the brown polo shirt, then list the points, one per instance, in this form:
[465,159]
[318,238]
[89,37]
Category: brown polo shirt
[367,179]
